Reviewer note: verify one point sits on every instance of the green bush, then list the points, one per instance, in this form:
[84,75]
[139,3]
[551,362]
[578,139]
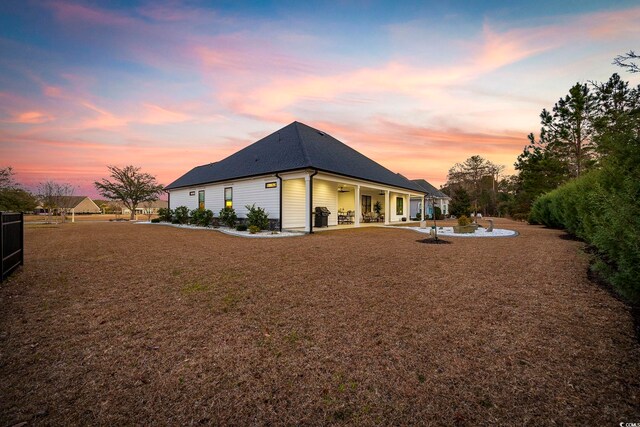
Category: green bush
[181,215]
[201,217]
[155,220]
[257,217]
[228,217]
[241,227]
[464,220]
[253,229]
[602,208]
[165,214]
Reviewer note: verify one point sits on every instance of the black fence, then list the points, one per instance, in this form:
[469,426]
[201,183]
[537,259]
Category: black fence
[11,242]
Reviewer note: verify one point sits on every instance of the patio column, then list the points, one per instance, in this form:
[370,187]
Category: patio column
[387,210]
[356,194]
[424,213]
[307,203]
[406,207]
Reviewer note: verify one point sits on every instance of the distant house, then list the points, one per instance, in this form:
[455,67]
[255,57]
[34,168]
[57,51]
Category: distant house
[433,195]
[79,204]
[148,207]
[73,204]
[293,173]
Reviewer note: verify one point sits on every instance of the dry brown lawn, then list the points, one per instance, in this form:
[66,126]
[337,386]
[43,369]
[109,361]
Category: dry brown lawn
[117,323]
[83,217]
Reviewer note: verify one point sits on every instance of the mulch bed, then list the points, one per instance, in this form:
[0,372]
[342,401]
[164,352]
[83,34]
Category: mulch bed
[117,323]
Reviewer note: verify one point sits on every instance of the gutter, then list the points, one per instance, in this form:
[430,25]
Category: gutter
[311,200]
[280,195]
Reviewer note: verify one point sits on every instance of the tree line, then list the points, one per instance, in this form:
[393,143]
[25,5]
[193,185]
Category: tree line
[581,172]
[128,185]
[577,135]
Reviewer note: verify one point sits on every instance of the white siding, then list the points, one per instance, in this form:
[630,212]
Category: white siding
[181,197]
[325,193]
[254,191]
[245,192]
[214,198]
[293,203]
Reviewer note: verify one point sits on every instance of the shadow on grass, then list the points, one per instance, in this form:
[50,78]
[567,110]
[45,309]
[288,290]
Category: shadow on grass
[432,241]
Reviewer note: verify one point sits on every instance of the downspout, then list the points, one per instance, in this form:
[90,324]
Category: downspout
[311,200]
[280,195]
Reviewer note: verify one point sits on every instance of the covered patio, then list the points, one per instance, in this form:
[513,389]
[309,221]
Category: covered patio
[351,202]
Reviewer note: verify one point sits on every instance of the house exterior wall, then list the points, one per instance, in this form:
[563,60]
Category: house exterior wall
[294,197]
[392,208]
[443,204]
[415,207]
[325,193]
[245,192]
[180,197]
[293,203]
[346,201]
[250,192]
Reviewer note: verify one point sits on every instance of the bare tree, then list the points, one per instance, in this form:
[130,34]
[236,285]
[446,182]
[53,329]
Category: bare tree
[129,186]
[628,61]
[6,179]
[114,208]
[53,196]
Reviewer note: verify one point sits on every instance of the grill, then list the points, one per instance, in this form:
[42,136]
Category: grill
[322,217]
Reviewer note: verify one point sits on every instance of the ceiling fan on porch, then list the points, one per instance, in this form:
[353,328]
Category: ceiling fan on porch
[341,189]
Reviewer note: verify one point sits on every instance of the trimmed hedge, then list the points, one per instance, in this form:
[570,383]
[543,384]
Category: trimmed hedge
[601,207]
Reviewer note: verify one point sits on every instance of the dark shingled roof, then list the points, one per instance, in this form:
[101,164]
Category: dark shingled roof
[296,146]
[429,189]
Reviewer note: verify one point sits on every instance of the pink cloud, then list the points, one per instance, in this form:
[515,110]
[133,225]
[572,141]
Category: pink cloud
[417,151]
[31,117]
[52,91]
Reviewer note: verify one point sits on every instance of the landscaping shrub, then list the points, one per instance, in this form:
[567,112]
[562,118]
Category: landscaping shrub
[228,217]
[257,217]
[165,214]
[253,229]
[542,211]
[181,215]
[201,217]
[601,208]
[464,220]
[155,220]
[241,227]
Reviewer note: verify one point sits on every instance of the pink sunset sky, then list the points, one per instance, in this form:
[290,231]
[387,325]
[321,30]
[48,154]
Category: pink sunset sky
[170,85]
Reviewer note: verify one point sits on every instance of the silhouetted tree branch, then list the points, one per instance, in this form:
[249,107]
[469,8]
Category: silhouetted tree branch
[627,61]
